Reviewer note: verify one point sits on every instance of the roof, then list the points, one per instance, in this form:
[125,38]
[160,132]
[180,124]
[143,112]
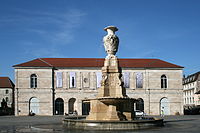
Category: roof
[5,82]
[191,78]
[96,62]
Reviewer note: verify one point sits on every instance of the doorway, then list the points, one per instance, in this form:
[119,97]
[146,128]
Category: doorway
[164,106]
[59,106]
[34,105]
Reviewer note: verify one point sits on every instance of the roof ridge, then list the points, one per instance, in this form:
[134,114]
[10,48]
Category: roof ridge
[45,62]
[97,62]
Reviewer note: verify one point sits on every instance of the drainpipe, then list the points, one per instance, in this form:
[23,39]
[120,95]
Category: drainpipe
[16,92]
[53,90]
[149,93]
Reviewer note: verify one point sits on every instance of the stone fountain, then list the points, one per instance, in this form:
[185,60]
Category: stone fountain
[112,102]
[112,109]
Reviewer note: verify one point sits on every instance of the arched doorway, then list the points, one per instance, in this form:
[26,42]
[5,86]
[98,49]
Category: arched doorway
[85,108]
[34,105]
[59,106]
[140,104]
[164,106]
[71,105]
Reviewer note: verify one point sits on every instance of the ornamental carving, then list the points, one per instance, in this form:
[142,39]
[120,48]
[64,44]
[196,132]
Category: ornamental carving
[111,41]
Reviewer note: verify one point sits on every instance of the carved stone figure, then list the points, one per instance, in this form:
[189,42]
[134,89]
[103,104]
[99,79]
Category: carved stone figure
[111,41]
[104,78]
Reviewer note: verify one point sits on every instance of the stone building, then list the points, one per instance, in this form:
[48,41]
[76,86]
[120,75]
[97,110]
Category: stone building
[57,86]
[6,96]
[191,91]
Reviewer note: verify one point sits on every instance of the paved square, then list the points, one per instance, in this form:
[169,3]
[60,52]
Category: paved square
[53,124]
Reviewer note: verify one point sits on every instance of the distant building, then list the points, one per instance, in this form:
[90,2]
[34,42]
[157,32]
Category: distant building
[6,96]
[58,86]
[191,92]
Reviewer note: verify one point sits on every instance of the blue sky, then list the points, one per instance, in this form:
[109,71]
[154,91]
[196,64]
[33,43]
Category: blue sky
[163,29]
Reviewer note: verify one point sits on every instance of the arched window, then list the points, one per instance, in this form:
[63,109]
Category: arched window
[7,91]
[33,81]
[163,81]
[7,99]
[71,105]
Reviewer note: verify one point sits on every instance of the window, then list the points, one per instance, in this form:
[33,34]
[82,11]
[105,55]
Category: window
[163,81]
[7,99]
[126,79]
[86,79]
[7,91]
[139,80]
[72,79]
[59,79]
[99,78]
[33,80]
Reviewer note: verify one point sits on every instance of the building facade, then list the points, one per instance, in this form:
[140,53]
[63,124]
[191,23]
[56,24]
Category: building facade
[6,96]
[191,92]
[58,86]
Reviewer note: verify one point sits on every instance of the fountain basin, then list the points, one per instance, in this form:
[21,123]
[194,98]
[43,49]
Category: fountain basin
[115,101]
[82,124]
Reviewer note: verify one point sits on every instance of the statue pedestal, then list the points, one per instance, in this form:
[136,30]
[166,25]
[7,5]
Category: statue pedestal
[111,100]
[101,111]
[111,84]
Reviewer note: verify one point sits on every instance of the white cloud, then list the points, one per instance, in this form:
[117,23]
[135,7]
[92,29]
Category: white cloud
[50,30]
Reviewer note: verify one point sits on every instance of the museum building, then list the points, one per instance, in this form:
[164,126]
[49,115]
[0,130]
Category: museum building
[60,86]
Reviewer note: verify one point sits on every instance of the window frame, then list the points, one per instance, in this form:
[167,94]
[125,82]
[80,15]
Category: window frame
[139,80]
[72,79]
[164,81]
[7,91]
[33,81]
[126,79]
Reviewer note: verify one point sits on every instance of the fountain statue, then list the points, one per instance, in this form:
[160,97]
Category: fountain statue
[111,41]
[112,109]
[112,102]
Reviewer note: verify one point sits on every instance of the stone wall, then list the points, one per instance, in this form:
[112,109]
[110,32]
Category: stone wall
[8,96]
[151,92]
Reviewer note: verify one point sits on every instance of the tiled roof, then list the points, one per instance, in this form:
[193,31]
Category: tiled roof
[5,82]
[191,78]
[96,62]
